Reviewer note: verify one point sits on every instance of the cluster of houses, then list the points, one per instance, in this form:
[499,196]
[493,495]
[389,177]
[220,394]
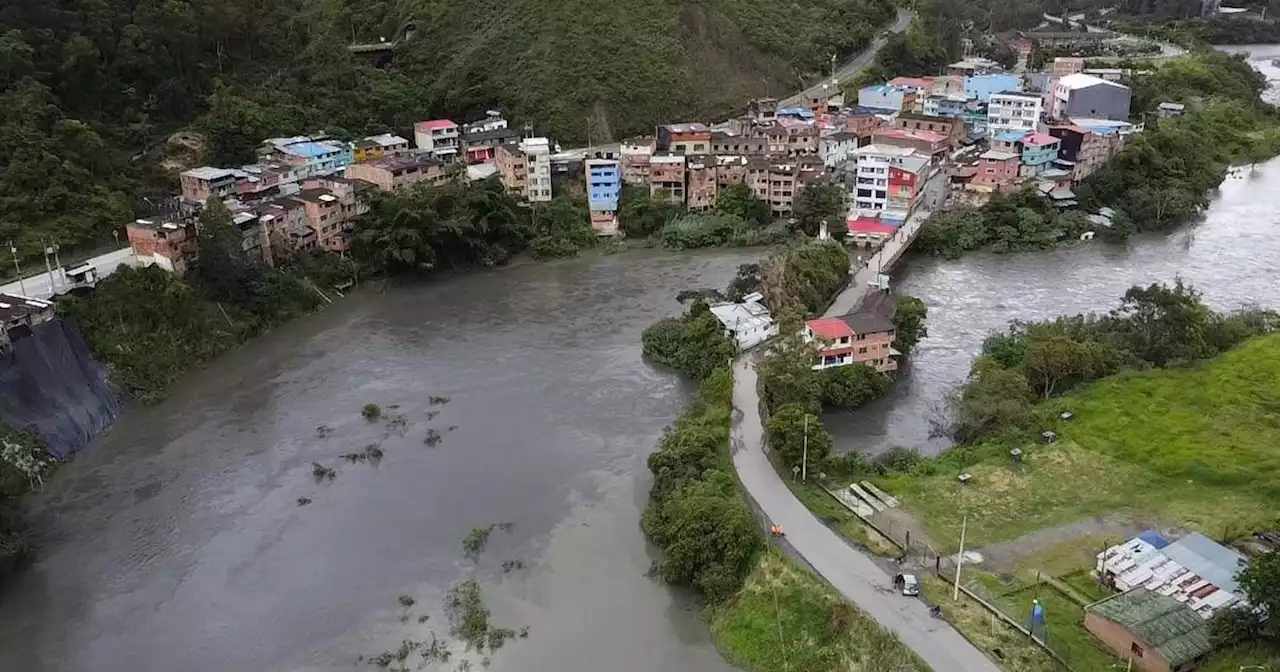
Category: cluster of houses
[18,315]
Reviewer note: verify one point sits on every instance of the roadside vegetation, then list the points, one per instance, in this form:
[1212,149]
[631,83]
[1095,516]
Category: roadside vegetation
[24,461]
[1171,421]
[766,612]
[1161,179]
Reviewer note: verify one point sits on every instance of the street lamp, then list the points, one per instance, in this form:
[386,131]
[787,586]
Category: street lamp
[13,249]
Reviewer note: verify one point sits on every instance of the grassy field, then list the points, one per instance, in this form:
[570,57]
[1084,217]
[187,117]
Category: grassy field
[985,631]
[1196,447]
[1247,657]
[785,618]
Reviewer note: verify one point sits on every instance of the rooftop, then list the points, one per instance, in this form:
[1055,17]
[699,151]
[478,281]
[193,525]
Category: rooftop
[394,163]
[866,111]
[15,307]
[1080,80]
[885,150]
[997,155]
[1177,632]
[1039,139]
[1010,136]
[829,328]
[906,134]
[209,173]
[309,149]
[693,127]
[435,125]
[870,225]
[387,140]
[1173,106]
[802,112]
[868,322]
[914,82]
[742,316]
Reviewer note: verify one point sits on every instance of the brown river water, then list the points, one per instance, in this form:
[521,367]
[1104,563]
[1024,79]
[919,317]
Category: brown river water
[176,542]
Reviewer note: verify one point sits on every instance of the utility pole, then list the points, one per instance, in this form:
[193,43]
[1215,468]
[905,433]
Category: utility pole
[13,249]
[955,592]
[804,460]
[48,267]
[61,271]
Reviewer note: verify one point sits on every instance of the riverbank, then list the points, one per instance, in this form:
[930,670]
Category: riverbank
[1163,177]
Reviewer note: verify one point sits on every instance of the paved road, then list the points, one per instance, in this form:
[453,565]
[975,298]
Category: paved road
[42,286]
[855,63]
[856,577]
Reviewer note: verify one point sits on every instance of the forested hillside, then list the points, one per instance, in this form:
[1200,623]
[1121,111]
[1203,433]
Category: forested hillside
[92,88]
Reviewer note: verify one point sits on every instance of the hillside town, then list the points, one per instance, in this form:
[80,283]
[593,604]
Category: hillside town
[979,127]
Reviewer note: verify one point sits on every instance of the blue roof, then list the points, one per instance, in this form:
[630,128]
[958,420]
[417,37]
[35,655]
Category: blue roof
[881,88]
[309,149]
[1011,136]
[1152,537]
[796,112]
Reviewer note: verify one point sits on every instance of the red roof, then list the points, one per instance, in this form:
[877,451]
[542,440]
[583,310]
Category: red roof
[436,124]
[870,225]
[829,328]
[918,82]
[1039,139]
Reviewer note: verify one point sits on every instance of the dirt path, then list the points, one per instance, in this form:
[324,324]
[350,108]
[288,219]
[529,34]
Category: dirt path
[1005,555]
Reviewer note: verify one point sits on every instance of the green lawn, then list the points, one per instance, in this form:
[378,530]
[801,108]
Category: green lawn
[839,518]
[1248,657]
[785,618]
[1196,447]
[992,635]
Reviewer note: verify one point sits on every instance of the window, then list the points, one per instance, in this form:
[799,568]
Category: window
[862,351]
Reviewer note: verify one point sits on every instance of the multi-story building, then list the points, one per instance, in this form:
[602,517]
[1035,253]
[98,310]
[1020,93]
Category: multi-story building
[906,182]
[1013,111]
[871,180]
[863,121]
[1067,65]
[919,86]
[952,127]
[734,144]
[948,105]
[480,139]
[635,160]
[1081,95]
[332,205]
[730,170]
[169,245]
[396,172]
[691,138]
[887,96]
[286,227]
[379,146]
[996,170]
[1084,149]
[864,338]
[201,184]
[668,177]
[982,87]
[835,149]
[702,180]
[537,154]
[439,137]
[604,191]
[513,171]
[315,156]
[1039,152]
[801,137]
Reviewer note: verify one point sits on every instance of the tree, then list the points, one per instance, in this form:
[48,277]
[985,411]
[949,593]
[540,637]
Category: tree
[994,400]
[909,323]
[1260,583]
[220,268]
[849,387]
[786,374]
[639,216]
[739,201]
[818,203]
[788,428]
[694,344]
[1165,323]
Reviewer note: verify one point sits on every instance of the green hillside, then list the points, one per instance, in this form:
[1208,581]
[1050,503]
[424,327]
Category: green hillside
[90,89]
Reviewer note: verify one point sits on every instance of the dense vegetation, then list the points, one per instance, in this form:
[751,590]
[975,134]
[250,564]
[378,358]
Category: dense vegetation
[1153,327]
[150,326]
[23,461]
[1161,178]
[92,88]
[693,344]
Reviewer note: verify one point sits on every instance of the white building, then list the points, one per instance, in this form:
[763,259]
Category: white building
[1082,95]
[748,323]
[871,180]
[537,152]
[1011,111]
[837,148]
[439,138]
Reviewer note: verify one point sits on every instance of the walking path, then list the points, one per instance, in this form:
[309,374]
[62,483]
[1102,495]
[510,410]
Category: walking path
[855,575]
[44,285]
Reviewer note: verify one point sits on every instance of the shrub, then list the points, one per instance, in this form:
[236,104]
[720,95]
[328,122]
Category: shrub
[371,412]
[787,430]
[849,387]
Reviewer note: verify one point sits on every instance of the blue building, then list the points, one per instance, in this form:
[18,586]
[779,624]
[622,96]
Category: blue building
[1039,151]
[604,190]
[885,96]
[982,86]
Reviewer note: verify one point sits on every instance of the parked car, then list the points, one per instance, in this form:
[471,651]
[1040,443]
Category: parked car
[907,584]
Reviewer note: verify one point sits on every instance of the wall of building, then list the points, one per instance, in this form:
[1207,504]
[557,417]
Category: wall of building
[1100,101]
[1121,642]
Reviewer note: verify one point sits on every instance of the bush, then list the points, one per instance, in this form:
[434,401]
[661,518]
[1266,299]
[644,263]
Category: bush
[849,387]
[371,411]
[788,429]
[690,231]
[694,344]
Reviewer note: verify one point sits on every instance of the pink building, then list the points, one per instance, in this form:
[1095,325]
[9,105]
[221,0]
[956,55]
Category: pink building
[926,143]
[858,338]
[997,169]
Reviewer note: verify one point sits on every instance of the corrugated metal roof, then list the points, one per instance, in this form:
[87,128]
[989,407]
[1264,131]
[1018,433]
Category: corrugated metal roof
[1214,562]
[1162,622]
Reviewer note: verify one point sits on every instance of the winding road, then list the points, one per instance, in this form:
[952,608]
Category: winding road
[855,575]
[856,62]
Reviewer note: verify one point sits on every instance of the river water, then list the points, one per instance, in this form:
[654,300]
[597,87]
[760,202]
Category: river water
[176,543]
[1232,255]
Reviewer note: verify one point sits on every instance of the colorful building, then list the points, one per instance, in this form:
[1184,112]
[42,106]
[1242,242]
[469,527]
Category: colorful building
[1081,95]
[702,180]
[396,172]
[926,143]
[693,138]
[982,87]
[440,138]
[1013,111]
[201,184]
[996,170]
[314,156]
[871,180]
[668,177]
[379,146]
[1039,152]
[946,105]
[169,245]
[604,191]
[864,338]
[886,96]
